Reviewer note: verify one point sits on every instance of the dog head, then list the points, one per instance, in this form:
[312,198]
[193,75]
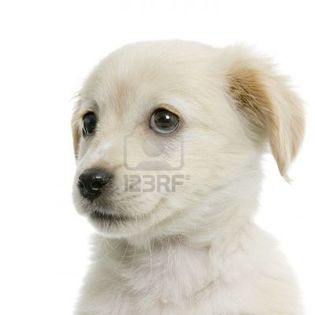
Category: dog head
[168,137]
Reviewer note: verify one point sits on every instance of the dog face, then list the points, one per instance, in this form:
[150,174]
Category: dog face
[168,137]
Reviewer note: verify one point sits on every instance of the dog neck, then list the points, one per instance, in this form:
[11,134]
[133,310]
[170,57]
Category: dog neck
[170,270]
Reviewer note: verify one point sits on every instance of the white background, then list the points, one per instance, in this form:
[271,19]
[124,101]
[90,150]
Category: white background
[47,48]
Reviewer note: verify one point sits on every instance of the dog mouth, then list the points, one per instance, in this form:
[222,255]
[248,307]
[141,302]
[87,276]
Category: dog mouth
[99,216]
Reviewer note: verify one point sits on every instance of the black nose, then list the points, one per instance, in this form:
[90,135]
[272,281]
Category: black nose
[92,181]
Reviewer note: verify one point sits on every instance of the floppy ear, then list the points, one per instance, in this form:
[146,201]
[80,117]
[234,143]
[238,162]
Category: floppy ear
[268,103]
[76,132]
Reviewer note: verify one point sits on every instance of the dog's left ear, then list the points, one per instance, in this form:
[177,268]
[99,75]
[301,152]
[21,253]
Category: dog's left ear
[267,102]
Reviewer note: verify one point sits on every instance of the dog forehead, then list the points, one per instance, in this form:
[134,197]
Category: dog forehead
[137,77]
[145,62]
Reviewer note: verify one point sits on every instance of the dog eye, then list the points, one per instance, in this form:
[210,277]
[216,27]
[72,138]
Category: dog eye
[89,124]
[163,121]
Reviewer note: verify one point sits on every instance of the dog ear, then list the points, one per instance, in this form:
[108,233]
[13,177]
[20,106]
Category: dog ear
[76,132]
[268,103]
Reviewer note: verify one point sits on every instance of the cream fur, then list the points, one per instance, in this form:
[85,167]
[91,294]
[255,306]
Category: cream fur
[194,251]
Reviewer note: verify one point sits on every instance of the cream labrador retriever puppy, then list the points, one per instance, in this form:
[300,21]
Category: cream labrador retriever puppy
[168,138]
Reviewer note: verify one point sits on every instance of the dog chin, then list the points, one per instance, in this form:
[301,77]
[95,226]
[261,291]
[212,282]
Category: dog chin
[105,217]
[112,221]
[121,226]
[114,226]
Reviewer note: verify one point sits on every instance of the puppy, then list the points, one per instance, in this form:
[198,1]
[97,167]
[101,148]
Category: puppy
[168,138]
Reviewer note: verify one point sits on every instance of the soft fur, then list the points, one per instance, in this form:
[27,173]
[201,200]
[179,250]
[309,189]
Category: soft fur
[195,250]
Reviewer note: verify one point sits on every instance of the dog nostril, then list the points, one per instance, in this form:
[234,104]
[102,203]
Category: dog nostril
[84,191]
[97,183]
[80,184]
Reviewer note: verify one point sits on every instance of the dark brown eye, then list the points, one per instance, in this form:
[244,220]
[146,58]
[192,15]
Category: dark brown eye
[89,124]
[163,121]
